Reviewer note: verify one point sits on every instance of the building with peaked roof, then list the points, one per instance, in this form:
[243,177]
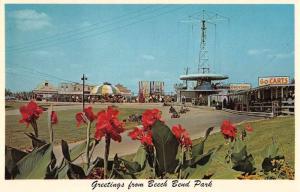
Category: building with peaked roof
[124,90]
[45,91]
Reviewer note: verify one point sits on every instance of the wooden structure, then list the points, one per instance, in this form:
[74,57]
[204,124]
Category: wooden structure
[275,99]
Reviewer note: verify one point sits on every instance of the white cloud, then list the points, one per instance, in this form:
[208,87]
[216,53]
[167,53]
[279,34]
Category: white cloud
[148,57]
[281,55]
[30,20]
[258,51]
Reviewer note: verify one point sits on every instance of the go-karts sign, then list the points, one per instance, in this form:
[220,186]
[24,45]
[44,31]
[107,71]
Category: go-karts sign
[273,81]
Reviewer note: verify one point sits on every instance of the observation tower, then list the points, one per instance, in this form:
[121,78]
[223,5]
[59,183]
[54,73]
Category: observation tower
[206,83]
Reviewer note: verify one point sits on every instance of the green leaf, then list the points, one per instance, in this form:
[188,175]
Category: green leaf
[63,171]
[198,149]
[65,150]
[270,154]
[240,159]
[75,151]
[208,131]
[200,165]
[146,173]
[166,147]
[202,159]
[271,151]
[12,156]
[36,142]
[35,164]
[75,171]
[140,156]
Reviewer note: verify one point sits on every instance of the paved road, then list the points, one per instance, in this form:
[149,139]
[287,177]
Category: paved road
[196,121]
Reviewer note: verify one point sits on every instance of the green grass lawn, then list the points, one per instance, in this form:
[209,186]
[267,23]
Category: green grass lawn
[65,129]
[282,129]
[9,105]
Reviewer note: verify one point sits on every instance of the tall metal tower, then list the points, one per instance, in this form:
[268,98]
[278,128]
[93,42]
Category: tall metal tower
[203,54]
[207,18]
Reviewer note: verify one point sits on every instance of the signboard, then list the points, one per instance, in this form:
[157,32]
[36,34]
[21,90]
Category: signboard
[239,86]
[273,81]
[151,87]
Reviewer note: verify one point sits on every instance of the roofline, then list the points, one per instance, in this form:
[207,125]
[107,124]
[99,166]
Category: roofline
[261,87]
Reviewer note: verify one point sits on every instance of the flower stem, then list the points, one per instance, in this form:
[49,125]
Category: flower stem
[50,124]
[35,129]
[181,159]
[154,164]
[106,154]
[88,144]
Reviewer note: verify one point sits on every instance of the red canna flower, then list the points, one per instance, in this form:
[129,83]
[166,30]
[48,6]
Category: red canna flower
[149,117]
[144,136]
[109,125]
[228,130]
[182,135]
[54,119]
[147,139]
[135,134]
[88,112]
[186,140]
[30,112]
[178,131]
[248,127]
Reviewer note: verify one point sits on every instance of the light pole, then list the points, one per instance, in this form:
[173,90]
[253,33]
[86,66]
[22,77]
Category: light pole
[83,78]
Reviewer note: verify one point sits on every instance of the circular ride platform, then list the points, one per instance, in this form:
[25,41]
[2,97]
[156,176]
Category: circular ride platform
[203,76]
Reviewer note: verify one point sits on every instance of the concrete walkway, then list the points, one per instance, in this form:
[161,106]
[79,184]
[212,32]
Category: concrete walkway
[196,121]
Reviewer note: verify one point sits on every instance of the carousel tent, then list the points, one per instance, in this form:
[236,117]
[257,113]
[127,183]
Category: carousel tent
[105,89]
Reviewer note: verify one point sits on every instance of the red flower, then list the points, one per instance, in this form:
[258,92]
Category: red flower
[186,140]
[88,112]
[182,135]
[109,125]
[228,130]
[149,117]
[54,119]
[30,112]
[136,134]
[178,131]
[147,139]
[249,128]
[144,136]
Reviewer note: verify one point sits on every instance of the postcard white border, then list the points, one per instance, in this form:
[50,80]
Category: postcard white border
[85,185]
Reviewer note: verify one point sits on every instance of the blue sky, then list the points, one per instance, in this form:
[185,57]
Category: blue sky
[128,43]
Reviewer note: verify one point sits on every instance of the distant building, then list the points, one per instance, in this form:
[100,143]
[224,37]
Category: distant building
[151,88]
[124,90]
[74,89]
[45,91]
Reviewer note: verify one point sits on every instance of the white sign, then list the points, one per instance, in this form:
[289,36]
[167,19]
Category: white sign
[239,86]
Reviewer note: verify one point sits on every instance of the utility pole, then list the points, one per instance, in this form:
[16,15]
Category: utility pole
[83,78]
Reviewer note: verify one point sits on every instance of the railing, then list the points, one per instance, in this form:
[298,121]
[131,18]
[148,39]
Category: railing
[268,109]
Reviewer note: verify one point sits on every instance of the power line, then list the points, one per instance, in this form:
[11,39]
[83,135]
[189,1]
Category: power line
[27,69]
[103,32]
[69,36]
[76,30]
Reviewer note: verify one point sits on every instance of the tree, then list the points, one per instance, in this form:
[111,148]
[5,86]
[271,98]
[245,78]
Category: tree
[8,92]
